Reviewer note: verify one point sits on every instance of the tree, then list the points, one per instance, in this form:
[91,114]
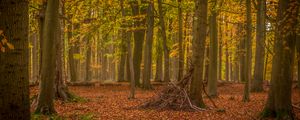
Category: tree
[180,38]
[60,89]
[87,38]
[73,63]
[165,46]
[122,46]
[14,79]
[159,61]
[148,47]
[51,26]
[200,28]
[213,55]
[139,35]
[247,72]
[279,98]
[257,84]
[298,56]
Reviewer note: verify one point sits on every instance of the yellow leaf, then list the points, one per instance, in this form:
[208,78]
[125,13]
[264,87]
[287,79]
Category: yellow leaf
[10,46]
[1,32]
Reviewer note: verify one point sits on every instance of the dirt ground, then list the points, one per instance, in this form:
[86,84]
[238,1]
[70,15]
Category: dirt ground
[111,102]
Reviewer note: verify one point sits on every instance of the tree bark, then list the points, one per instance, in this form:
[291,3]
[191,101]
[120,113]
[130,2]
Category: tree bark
[60,88]
[227,78]
[35,62]
[14,71]
[242,53]
[122,64]
[257,84]
[279,103]
[139,35]
[46,95]
[298,56]
[165,46]
[220,53]
[148,47]
[180,38]
[88,72]
[247,74]
[200,28]
[213,56]
[72,51]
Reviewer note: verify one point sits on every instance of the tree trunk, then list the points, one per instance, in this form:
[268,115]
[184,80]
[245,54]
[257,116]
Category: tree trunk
[122,64]
[165,46]
[200,28]
[35,63]
[206,64]
[104,72]
[180,35]
[242,53]
[60,89]
[213,56]
[72,51]
[138,38]
[46,95]
[247,74]
[227,63]
[41,29]
[158,73]
[88,72]
[279,99]
[148,47]
[257,84]
[298,56]
[131,68]
[14,71]
[220,53]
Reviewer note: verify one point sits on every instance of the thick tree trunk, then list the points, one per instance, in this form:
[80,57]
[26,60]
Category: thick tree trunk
[248,46]
[279,99]
[148,47]
[60,89]
[139,35]
[46,95]
[200,28]
[131,68]
[41,29]
[14,81]
[257,84]
[165,46]
[180,35]
[213,56]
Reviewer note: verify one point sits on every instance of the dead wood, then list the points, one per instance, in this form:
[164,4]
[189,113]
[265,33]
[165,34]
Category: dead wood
[174,96]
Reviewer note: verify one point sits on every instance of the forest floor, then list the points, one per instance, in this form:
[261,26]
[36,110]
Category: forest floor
[111,102]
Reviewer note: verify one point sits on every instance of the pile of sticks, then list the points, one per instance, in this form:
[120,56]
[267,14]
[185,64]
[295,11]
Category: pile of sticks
[174,96]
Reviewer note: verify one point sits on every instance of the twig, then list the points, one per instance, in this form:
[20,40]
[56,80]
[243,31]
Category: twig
[295,106]
[193,106]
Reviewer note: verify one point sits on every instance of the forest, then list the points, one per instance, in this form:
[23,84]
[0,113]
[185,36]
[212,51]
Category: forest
[149,59]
